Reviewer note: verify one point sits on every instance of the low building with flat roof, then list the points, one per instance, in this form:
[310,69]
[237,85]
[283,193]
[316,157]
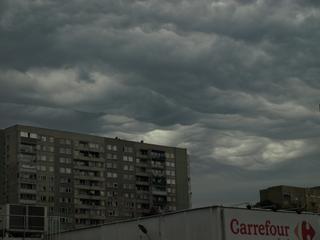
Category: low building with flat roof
[292,198]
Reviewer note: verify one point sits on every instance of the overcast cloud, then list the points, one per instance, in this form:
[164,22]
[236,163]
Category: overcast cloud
[236,82]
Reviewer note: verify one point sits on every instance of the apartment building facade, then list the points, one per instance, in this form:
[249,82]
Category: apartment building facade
[88,180]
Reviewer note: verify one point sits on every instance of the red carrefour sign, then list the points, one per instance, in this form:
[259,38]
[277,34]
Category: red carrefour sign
[263,229]
[251,224]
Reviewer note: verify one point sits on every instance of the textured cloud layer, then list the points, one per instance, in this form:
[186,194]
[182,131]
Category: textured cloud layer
[234,81]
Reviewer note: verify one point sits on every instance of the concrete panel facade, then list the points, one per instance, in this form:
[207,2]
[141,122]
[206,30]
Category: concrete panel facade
[88,180]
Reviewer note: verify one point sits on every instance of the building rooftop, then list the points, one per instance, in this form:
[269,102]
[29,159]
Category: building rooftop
[90,135]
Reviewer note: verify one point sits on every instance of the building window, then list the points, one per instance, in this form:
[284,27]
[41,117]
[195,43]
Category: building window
[65,150]
[46,148]
[41,168]
[24,134]
[26,196]
[109,165]
[128,186]
[171,181]
[65,189]
[127,149]
[112,147]
[94,145]
[43,178]
[170,173]
[29,135]
[127,158]
[65,170]
[170,164]
[112,175]
[65,141]
[169,155]
[64,180]
[34,135]
[65,160]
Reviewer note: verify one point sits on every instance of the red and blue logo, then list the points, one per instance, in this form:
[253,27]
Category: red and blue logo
[304,231]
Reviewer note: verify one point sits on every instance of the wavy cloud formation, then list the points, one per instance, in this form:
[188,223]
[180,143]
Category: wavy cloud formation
[234,81]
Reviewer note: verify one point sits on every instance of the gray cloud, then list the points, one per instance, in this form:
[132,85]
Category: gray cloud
[236,82]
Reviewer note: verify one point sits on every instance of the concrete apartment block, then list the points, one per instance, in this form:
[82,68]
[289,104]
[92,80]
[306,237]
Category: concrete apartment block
[88,180]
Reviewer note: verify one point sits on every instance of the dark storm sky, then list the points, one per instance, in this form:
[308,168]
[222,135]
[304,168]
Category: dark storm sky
[235,82]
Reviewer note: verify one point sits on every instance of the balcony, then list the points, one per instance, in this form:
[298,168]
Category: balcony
[139,200]
[32,141]
[89,197]
[159,192]
[89,187]
[26,158]
[156,166]
[27,180]
[160,159]
[158,155]
[28,191]
[143,156]
[155,174]
[86,177]
[144,183]
[89,216]
[90,168]
[144,210]
[88,148]
[27,201]
[28,151]
[146,174]
[80,157]
[89,206]
[142,189]
[143,164]
[27,168]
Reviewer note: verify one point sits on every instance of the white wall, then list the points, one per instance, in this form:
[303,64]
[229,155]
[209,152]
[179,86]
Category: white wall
[211,223]
[200,224]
